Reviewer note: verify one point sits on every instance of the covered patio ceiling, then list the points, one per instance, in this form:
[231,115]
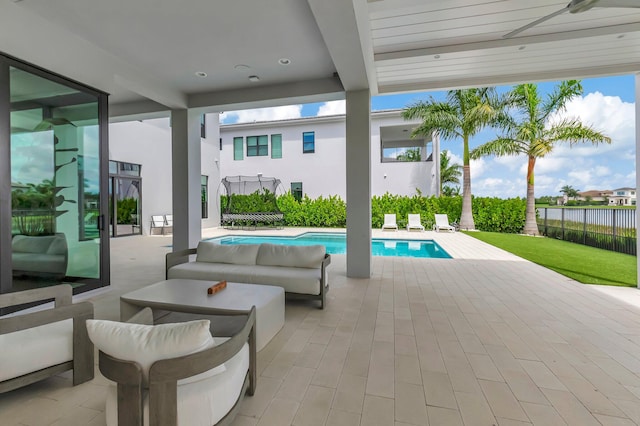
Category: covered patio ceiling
[146,53]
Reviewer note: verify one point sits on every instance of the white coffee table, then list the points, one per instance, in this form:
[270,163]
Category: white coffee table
[182,295]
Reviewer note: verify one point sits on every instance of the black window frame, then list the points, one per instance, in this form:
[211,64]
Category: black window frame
[259,149]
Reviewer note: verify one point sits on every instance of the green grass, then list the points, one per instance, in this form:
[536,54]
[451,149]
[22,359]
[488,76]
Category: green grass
[584,264]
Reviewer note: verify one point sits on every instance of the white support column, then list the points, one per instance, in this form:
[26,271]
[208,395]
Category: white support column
[637,81]
[185,151]
[358,146]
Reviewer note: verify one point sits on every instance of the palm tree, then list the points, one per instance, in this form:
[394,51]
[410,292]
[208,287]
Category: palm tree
[464,113]
[569,191]
[449,173]
[528,131]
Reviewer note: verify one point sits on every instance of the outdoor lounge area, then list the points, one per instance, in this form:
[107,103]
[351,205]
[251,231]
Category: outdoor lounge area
[481,339]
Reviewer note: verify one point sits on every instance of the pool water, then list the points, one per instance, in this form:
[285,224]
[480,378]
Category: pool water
[336,243]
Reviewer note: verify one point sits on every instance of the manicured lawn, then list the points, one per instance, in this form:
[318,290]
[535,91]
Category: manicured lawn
[582,263]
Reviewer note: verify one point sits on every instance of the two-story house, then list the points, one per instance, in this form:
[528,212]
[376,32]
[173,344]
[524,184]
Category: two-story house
[623,197]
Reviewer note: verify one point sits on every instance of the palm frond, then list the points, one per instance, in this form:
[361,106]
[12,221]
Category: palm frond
[499,147]
[557,100]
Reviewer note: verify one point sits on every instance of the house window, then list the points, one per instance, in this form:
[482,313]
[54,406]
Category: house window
[276,146]
[237,148]
[296,190]
[257,146]
[204,195]
[220,144]
[308,142]
[203,127]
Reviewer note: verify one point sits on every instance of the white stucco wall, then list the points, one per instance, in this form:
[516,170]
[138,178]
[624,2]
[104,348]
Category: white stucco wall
[323,172]
[147,143]
[211,168]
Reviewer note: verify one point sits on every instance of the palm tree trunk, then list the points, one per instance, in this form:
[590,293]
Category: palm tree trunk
[530,224]
[466,220]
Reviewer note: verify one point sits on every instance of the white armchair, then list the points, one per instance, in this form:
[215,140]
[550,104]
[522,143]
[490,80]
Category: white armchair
[188,380]
[40,344]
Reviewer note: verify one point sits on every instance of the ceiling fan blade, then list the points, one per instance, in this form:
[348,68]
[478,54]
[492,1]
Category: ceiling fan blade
[536,22]
[618,3]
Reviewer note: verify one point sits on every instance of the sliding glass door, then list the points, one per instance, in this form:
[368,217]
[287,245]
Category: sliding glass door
[55,144]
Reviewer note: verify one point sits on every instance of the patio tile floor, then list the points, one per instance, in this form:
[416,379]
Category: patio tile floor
[485,338]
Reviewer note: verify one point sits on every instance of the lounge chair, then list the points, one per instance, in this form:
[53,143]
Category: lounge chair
[442,222]
[414,223]
[390,222]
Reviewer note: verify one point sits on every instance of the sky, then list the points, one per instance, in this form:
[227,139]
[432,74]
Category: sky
[607,104]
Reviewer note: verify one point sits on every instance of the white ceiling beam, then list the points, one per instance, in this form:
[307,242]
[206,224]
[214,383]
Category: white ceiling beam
[155,91]
[507,79]
[509,42]
[337,22]
[321,90]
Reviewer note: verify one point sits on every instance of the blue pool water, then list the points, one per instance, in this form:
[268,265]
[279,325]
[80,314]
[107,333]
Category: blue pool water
[336,243]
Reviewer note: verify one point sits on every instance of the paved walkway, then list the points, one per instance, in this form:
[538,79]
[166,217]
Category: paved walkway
[485,338]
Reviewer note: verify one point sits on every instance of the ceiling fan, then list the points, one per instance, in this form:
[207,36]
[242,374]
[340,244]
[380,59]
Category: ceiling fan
[576,6]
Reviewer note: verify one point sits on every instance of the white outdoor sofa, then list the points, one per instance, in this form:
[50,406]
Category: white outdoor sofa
[300,270]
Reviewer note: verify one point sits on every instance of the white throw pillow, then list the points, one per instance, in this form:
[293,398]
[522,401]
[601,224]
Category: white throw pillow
[296,256]
[146,344]
[237,254]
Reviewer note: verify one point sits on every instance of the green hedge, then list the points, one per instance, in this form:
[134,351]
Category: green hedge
[490,214]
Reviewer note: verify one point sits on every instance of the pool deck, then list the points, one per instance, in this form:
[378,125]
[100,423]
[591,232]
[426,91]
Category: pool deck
[485,338]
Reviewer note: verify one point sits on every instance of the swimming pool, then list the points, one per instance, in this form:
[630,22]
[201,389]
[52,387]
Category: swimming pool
[336,243]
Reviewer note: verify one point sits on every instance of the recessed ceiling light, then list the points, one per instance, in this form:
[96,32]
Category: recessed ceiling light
[254,78]
[405,130]
[241,67]
[437,56]
[522,47]
[201,74]
[621,36]
[284,61]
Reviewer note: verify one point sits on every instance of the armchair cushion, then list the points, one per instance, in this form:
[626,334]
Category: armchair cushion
[35,348]
[146,344]
[202,402]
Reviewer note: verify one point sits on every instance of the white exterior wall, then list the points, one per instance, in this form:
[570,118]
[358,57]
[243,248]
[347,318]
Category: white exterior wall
[211,167]
[147,143]
[397,178]
[323,172]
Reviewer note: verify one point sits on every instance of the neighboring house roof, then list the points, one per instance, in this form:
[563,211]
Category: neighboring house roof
[625,189]
[595,193]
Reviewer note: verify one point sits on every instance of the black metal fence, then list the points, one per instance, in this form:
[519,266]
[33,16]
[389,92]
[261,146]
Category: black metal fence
[605,228]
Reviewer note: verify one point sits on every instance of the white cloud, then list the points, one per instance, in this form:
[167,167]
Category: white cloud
[608,114]
[478,168]
[601,171]
[261,114]
[332,108]
[496,187]
[511,162]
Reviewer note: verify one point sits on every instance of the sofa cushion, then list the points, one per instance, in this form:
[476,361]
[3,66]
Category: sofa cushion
[37,262]
[293,280]
[35,348]
[58,246]
[211,272]
[237,254]
[146,344]
[200,403]
[293,256]
[31,244]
